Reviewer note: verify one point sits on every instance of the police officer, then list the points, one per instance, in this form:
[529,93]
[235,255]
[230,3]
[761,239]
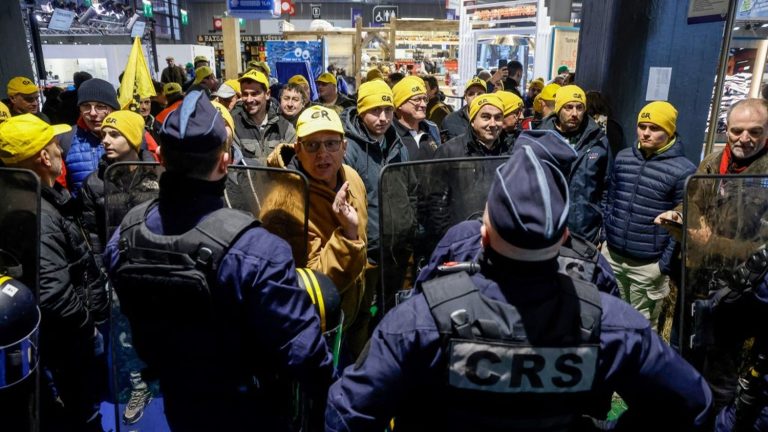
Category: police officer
[578,257]
[212,299]
[516,346]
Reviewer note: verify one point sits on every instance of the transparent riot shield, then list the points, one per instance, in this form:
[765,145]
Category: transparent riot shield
[278,197]
[419,201]
[19,271]
[724,237]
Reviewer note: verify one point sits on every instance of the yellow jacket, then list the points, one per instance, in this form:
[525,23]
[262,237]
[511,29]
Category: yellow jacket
[327,250]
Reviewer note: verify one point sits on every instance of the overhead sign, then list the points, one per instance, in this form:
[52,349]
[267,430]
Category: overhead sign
[216,38]
[384,13]
[315,11]
[138,29]
[354,13]
[61,19]
[752,10]
[524,11]
[254,8]
[702,11]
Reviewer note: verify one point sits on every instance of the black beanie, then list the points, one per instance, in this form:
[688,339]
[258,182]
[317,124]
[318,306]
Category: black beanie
[97,90]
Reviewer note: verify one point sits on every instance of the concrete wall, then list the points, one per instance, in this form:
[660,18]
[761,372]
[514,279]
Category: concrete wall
[621,40]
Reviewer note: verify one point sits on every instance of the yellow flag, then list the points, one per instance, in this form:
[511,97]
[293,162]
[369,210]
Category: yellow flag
[137,82]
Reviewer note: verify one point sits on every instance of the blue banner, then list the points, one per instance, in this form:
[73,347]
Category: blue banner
[752,10]
[297,51]
[254,9]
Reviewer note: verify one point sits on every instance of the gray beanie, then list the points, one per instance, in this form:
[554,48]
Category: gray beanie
[97,90]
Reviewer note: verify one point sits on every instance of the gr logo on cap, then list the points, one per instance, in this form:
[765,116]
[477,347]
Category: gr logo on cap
[660,113]
[373,94]
[318,119]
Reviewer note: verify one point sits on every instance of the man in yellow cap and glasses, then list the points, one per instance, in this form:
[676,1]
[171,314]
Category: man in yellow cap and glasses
[419,135]
[647,179]
[591,171]
[486,115]
[23,96]
[338,212]
[70,344]
[513,112]
[328,94]
[457,123]
[258,123]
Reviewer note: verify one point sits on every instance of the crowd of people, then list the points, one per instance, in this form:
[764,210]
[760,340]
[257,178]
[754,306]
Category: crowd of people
[516,344]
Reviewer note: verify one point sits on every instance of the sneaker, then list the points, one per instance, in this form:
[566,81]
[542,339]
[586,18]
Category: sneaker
[140,398]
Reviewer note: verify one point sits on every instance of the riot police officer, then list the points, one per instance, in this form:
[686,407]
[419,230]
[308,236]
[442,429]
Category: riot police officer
[212,299]
[518,345]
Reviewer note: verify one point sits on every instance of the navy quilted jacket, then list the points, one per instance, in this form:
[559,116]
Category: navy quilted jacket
[640,189]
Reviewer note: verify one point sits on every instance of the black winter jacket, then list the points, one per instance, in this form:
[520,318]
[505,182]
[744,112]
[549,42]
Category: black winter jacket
[368,158]
[73,295]
[456,123]
[133,188]
[640,189]
[588,182]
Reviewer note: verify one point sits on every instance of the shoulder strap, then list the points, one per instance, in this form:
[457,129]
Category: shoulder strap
[224,227]
[581,248]
[445,297]
[135,216]
[591,310]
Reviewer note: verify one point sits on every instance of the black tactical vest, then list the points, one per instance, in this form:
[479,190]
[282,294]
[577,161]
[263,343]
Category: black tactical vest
[186,331]
[578,258]
[495,379]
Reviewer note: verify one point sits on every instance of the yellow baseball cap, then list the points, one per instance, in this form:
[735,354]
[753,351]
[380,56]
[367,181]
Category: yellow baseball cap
[299,80]
[318,119]
[548,92]
[226,114]
[481,101]
[201,58]
[171,88]
[537,83]
[569,93]
[407,88]
[5,113]
[235,84]
[202,73]
[21,85]
[660,113]
[476,82]
[510,100]
[327,78]
[23,136]
[537,108]
[129,124]
[373,94]
[254,75]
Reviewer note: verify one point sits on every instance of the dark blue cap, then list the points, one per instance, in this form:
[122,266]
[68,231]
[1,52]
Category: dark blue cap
[550,146]
[196,126]
[528,201]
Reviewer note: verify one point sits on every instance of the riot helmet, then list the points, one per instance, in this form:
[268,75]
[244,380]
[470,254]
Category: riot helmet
[19,324]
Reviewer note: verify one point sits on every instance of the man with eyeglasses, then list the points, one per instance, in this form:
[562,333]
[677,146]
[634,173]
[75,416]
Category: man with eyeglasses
[336,245]
[24,96]
[258,123]
[420,136]
[82,147]
[293,99]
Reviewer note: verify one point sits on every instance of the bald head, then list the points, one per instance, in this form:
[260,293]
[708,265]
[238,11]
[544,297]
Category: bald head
[747,130]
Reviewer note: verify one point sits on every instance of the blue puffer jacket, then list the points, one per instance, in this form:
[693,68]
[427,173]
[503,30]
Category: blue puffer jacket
[82,157]
[641,189]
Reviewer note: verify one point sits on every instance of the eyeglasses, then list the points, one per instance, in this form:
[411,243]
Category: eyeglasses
[100,108]
[314,146]
[419,100]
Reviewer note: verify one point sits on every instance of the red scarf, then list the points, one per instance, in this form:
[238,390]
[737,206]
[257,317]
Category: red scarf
[729,165]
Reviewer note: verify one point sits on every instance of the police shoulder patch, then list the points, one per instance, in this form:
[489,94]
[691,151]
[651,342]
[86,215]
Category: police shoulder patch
[506,368]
